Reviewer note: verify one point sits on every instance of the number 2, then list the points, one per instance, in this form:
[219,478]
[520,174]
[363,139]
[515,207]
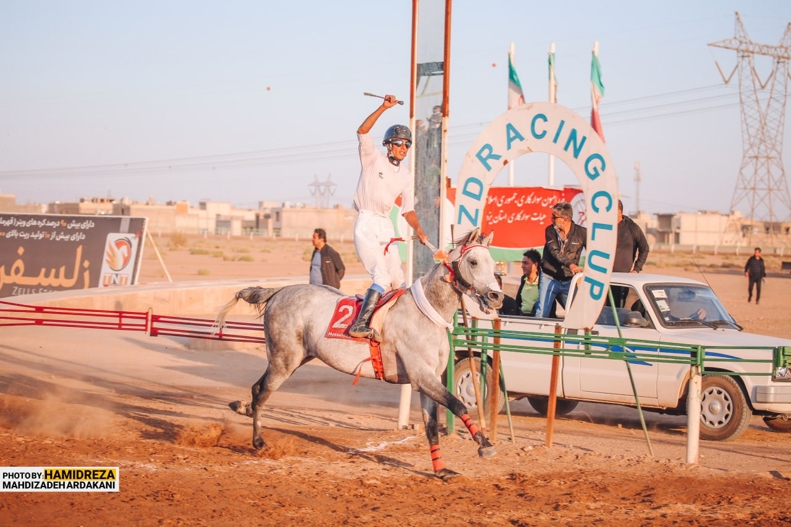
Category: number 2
[340,323]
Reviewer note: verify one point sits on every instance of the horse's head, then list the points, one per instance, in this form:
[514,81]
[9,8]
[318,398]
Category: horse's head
[472,270]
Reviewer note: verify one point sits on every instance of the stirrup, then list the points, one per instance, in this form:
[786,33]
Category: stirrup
[365,333]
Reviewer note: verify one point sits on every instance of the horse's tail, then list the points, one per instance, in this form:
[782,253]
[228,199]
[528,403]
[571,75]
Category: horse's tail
[258,296]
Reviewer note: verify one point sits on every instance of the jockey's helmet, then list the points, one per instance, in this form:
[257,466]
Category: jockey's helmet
[395,132]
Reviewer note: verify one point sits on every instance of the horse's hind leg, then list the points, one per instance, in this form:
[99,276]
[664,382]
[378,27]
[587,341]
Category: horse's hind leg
[276,373]
[433,388]
[429,407]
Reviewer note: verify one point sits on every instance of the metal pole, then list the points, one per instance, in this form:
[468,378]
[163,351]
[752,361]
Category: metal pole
[553,387]
[507,406]
[511,164]
[159,257]
[444,181]
[693,414]
[404,406]
[494,390]
[552,98]
[405,401]
[631,378]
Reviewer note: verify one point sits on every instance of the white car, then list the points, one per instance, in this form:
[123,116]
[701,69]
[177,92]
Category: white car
[660,309]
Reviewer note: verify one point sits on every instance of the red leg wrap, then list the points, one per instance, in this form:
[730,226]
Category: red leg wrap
[470,424]
[436,458]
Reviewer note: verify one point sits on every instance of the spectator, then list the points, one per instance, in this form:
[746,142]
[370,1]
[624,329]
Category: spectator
[527,294]
[755,272]
[326,266]
[632,250]
[509,306]
[564,243]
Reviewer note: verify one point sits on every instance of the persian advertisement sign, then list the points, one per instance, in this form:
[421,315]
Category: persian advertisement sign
[40,253]
[519,215]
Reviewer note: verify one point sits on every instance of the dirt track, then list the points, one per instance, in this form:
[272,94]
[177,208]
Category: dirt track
[158,411]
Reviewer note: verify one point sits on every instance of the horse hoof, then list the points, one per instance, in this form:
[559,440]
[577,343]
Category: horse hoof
[258,443]
[446,474]
[487,451]
[241,408]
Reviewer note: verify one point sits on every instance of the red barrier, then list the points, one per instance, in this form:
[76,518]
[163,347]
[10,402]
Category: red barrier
[147,322]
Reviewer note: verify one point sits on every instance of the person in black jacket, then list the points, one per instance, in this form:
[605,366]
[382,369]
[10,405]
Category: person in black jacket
[632,250]
[564,243]
[326,266]
[755,271]
[509,304]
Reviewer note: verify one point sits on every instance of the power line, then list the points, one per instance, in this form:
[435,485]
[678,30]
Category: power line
[342,149]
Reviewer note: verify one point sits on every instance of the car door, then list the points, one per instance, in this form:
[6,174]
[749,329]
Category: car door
[608,379]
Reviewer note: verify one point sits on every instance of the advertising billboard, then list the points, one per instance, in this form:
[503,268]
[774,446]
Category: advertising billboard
[41,253]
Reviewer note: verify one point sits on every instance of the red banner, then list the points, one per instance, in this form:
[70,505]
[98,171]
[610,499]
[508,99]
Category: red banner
[519,215]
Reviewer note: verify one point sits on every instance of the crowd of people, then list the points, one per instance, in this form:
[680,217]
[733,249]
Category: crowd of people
[546,280]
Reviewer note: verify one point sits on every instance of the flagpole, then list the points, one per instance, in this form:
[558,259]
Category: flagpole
[511,164]
[552,99]
[405,399]
[597,91]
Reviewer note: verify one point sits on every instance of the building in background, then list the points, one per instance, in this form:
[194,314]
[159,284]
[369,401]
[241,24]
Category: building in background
[8,204]
[702,230]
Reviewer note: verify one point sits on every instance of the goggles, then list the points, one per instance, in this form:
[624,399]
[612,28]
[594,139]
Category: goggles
[399,142]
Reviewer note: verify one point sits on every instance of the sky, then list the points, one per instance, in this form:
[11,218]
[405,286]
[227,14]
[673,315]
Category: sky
[251,101]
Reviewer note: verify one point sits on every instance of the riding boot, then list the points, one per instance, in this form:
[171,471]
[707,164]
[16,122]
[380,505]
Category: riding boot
[360,328]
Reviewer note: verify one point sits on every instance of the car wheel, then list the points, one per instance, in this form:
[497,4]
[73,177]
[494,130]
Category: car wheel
[541,405]
[778,424]
[465,390]
[724,413]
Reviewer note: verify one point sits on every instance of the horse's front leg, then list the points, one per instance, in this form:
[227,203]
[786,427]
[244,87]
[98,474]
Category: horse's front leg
[459,409]
[429,407]
[430,386]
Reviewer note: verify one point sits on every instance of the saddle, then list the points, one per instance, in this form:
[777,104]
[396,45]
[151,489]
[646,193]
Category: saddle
[346,311]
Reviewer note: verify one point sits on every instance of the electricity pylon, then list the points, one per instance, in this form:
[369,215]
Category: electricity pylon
[761,186]
[322,190]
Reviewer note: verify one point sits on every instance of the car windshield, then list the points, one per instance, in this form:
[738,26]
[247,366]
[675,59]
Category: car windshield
[688,305]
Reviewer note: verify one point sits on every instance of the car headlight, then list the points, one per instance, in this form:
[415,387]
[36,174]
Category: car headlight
[782,375]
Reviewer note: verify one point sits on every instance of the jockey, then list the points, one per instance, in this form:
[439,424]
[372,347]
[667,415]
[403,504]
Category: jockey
[383,177]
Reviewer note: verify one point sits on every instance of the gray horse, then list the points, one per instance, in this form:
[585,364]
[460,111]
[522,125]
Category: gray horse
[296,318]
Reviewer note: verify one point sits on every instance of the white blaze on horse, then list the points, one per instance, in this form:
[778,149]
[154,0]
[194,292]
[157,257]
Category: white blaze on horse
[296,320]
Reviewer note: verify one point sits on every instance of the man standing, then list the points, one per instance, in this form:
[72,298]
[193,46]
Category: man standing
[755,271]
[632,250]
[326,266]
[564,243]
[383,177]
[527,294]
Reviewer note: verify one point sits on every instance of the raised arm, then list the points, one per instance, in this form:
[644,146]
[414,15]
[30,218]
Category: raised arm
[370,121]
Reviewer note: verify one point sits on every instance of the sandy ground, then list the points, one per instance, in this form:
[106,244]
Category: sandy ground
[156,408]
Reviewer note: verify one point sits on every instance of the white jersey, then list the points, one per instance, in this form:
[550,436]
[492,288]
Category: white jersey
[381,182]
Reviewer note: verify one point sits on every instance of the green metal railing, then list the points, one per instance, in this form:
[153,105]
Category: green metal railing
[710,359]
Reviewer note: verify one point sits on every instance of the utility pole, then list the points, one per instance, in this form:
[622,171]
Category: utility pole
[761,186]
[637,179]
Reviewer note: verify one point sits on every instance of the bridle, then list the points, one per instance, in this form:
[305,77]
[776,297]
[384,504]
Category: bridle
[459,283]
